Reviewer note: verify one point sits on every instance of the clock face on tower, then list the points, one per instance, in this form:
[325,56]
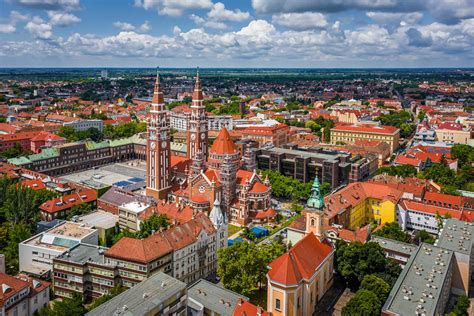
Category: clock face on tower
[203,136]
[193,136]
[163,145]
[152,145]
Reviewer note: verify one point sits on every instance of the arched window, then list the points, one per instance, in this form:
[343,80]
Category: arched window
[313,222]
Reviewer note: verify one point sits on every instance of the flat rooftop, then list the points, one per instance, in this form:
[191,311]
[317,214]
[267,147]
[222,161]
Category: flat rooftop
[84,252]
[99,219]
[62,237]
[214,297]
[419,286]
[457,236]
[143,297]
[303,153]
[130,175]
[395,245]
[135,206]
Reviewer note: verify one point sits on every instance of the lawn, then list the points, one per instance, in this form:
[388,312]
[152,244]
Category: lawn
[233,229]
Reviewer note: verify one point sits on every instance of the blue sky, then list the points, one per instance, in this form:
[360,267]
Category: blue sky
[238,33]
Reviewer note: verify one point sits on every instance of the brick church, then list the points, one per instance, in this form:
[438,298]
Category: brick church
[206,175]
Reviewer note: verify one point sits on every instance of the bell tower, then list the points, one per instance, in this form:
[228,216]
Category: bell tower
[158,150]
[314,211]
[197,129]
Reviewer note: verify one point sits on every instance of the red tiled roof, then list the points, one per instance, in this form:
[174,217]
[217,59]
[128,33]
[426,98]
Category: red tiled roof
[33,184]
[199,198]
[430,209]
[243,175]
[300,262]
[45,136]
[182,213]
[445,199]
[18,136]
[265,214]
[180,163]
[258,187]
[245,308]
[67,201]
[223,144]
[140,250]
[15,284]
[366,128]
[356,192]
[451,126]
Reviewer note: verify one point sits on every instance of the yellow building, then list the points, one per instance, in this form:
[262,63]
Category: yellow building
[361,203]
[348,134]
[453,133]
[299,278]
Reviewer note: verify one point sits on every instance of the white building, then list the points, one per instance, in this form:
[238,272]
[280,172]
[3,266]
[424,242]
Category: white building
[129,215]
[179,121]
[36,253]
[413,215]
[22,295]
[84,125]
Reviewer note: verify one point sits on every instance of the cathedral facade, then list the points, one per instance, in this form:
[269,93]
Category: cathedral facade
[207,174]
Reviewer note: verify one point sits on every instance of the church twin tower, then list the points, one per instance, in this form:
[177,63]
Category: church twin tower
[158,149]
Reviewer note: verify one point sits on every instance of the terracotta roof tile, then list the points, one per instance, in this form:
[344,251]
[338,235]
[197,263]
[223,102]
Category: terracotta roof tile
[223,144]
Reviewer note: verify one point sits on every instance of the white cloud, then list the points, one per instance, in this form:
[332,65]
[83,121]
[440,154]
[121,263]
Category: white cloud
[16,16]
[145,27]
[62,5]
[124,26]
[209,24]
[260,42]
[392,18]
[173,7]
[39,28]
[220,13]
[62,18]
[301,21]
[7,28]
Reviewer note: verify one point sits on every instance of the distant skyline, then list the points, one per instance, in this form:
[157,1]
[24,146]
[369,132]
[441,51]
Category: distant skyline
[243,33]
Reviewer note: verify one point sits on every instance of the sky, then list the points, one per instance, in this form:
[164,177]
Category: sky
[237,33]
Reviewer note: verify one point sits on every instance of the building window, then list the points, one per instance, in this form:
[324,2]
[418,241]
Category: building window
[277,305]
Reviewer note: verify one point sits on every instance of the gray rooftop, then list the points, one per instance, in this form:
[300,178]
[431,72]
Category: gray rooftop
[419,286]
[82,253]
[142,298]
[99,219]
[457,236]
[307,154]
[395,245]
[213,297]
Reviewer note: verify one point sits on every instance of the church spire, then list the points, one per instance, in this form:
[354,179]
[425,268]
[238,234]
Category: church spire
[158,100]
[316,199]
[197,94]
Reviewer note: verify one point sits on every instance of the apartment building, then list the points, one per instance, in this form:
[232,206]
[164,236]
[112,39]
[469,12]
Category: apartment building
[349,134]
[84,125]
[60,207]
[36,253]
[276,135]
[22,295]
[160,294]
[452,133]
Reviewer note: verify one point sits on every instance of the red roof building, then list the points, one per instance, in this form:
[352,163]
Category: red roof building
[292,277]
[59,207]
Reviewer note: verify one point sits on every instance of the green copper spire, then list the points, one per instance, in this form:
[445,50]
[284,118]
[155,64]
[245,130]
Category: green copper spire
[316,199]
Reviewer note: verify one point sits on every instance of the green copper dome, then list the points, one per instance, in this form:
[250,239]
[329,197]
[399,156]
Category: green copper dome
[316,199]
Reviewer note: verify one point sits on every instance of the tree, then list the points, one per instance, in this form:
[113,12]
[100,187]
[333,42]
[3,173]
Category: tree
[461,307]
[152,224]
[402,170]
[356,260]
[79,209]
[376,285]
[424,236]
[242,267]
[68,306]
[15,151]
[421,115]
[393,231]
[364,303]
[17,234]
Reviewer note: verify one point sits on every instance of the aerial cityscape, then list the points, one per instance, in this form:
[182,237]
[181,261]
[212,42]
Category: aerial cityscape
[241,158]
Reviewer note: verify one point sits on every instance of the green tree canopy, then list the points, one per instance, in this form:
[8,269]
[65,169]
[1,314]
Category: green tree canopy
[376,285]
[461,307]
[356,260]
[393,231]
[242,267]
[402,170]
[363,303]
[68,306]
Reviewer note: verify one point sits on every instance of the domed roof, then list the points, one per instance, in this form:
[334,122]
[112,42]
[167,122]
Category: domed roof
[223,144]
